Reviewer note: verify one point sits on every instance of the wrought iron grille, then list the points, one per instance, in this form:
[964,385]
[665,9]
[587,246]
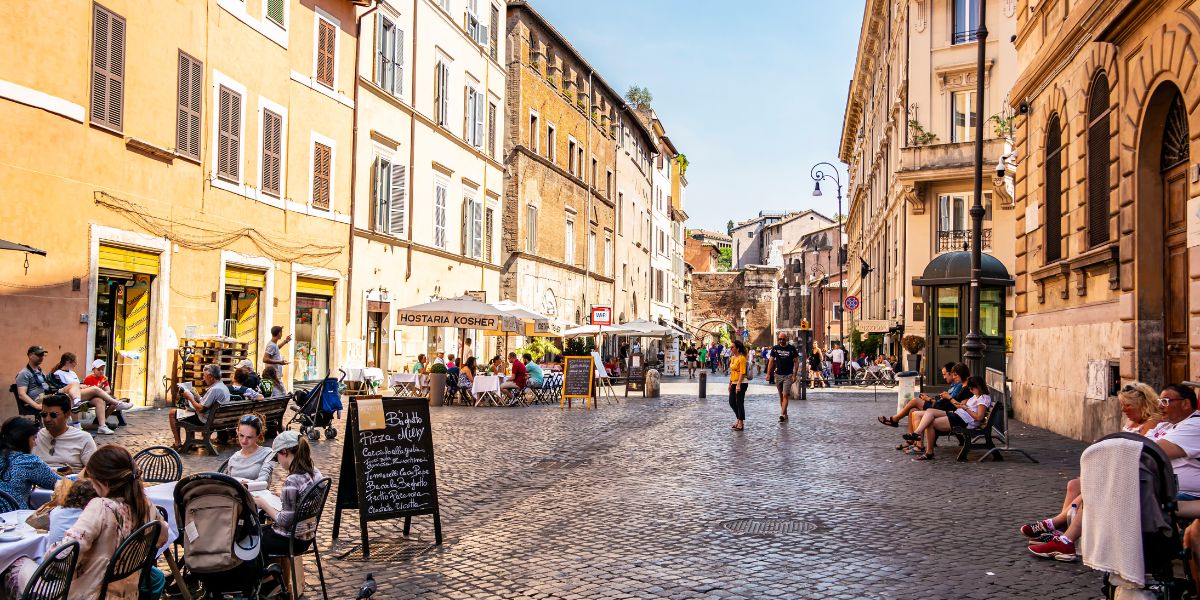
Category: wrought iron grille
[960,239]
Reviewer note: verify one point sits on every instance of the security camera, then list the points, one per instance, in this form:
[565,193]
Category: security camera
[1023,107]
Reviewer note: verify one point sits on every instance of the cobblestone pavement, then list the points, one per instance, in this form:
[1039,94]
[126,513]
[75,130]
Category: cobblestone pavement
[629,501]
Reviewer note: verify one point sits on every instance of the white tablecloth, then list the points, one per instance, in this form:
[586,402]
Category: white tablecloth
[486,383]
[32,543]
[412,378]
[162,495]
[356,374]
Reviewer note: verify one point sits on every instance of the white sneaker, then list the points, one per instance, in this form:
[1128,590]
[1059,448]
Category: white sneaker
[124,405]
[104,430]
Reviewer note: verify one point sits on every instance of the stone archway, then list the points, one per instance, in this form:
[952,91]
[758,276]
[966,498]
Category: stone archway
[1161,265]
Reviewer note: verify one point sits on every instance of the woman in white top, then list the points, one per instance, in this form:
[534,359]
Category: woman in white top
[250,463]
[104,404]
[969,413]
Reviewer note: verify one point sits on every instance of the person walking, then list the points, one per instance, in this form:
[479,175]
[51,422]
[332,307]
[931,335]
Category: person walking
[737,385]
[782,368]
[691,355]
[837,356]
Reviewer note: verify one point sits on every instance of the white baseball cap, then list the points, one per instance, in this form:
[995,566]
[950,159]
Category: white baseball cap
[97,364]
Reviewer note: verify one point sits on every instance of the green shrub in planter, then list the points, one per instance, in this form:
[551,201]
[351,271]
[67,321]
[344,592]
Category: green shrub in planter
[436,368]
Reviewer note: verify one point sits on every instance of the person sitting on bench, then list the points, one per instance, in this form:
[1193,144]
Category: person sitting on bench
[104,403]
[924,401]
[241,386]
[217,393]
[969,414]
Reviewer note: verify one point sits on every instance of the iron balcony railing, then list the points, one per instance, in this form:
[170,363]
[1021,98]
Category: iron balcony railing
[960,239]
[963,37]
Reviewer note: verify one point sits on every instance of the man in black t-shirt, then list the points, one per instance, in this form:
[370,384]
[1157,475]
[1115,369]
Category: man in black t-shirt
[691,353]
[782,367]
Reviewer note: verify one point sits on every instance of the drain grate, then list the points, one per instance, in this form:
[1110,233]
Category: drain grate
[769,526]
[388,552]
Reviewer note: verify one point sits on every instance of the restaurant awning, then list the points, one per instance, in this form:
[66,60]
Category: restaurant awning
[466,313]
[585,330]
[7,245]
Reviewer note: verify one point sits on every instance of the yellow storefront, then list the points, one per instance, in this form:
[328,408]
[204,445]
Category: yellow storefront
[123,309]
[313,327]
[243,293]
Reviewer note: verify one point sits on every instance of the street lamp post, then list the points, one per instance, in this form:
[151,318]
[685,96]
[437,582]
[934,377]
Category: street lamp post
[973,346]
[818,175]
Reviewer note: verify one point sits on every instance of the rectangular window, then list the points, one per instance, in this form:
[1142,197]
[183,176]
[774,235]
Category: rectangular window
[473,225]
[569,241]
[488,224]
[476,29]
[962,116]
[491,116]
[439,214]
[326,51]
[187,125]
[607,259]
[108,68]
[608,184]
[322,175]
[594,167]
[494,33]
[229,134]
[966,21]
[620,213]
[389,197]
[571,156]
[550,143]
[531,227]
[534,132]
[272,153]
[473,123]
[441,97]
[591,257]
[389,56]
[275,11]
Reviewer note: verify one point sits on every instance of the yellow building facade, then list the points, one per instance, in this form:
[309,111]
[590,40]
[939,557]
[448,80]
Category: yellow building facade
[187,167]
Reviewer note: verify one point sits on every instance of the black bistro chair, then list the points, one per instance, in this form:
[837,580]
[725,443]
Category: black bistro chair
[159,464]
[52,580]
[310,506]
[136,554]
[8,503]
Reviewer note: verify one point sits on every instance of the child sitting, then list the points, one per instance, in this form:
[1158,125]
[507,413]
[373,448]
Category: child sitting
[63,517]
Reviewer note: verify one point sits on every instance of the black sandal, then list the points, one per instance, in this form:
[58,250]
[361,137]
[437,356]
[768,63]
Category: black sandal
[923,457]
[912,437]
[890,422]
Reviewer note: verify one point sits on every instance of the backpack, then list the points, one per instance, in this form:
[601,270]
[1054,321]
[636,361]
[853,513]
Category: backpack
[218,524]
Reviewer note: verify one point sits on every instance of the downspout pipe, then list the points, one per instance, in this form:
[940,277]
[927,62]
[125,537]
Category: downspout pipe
[412,140]
[358,21]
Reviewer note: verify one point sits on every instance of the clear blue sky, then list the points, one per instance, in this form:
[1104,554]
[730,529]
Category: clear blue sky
[753,94]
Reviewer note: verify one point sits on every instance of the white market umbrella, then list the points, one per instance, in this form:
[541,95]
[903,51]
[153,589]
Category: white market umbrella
[648,328]
[585,330]
[536,324]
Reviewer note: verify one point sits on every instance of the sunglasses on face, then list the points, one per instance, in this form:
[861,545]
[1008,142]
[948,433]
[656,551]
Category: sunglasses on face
[249,420]
[50,415]
[1163,401]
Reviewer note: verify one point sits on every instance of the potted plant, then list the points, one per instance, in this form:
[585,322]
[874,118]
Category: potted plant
[914,344]
[437,384]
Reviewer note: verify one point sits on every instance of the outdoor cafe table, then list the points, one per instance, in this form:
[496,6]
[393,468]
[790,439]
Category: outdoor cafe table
[31,544]
[486,388]
[406,383]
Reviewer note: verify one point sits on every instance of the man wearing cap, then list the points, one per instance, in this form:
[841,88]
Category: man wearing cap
[31,381]
[217,393]
[96,377]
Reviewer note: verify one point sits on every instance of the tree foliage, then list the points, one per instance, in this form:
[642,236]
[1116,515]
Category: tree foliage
[682,159]
[725,263]
[639,96]
[539,348]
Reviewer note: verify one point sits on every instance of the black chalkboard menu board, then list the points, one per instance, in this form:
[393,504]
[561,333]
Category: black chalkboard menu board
[578,377]
[635,375]
[387,467]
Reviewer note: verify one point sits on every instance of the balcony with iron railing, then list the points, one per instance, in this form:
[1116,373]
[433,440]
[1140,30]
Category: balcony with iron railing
[960,239]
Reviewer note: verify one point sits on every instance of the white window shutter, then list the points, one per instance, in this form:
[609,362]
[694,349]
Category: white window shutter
[398,62]
[439,217]
[477,230]
[443,87]
[379,195]
[380,50]
[396,203]
[465,223]
[479,112]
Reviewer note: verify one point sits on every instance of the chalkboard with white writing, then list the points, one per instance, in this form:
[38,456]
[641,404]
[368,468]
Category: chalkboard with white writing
[577,377]
[387,464]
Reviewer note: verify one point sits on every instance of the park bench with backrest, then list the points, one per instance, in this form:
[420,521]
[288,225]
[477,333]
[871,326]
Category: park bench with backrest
[225,418]
[979,438]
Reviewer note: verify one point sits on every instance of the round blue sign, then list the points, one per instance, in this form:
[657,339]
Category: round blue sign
[851,303]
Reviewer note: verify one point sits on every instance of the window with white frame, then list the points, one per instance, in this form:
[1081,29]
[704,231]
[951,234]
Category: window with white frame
[607,264]
[472,224]
[966,21]
[441,93]
[962,116]
[276,12]
[569,240]
[477,28]
[591,250]
[534,132]
[325,52]
[389,55]
[551,142]
[474,110]
[388,197]
[440,191]
[571,152]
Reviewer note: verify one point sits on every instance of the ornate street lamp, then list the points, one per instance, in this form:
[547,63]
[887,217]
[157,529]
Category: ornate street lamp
[818,175]
[974,346]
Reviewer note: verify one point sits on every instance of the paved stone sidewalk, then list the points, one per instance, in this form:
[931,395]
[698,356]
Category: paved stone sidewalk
[629,501]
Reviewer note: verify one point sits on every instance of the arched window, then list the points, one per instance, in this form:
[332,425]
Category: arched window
[1053,187]
[1099,137]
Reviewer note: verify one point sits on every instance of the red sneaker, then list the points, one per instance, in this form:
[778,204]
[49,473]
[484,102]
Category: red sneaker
[1035,529]
[1056,549]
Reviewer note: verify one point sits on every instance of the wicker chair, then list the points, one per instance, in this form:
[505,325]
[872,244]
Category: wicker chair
[159,464]
[136,554]
[52,580]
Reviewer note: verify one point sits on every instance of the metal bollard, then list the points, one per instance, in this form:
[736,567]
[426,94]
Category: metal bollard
[703,384]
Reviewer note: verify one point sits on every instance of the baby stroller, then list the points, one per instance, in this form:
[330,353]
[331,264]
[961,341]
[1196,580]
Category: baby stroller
[1161,541]
[221,536]
[315,407]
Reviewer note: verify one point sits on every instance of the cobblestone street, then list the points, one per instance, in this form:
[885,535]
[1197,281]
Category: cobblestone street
[632,501]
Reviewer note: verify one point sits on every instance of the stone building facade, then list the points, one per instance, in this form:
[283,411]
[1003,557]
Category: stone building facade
[1107,253]
[702,256]
[739,299]
[635,147]
[908,141]
[560,150]
[747,239]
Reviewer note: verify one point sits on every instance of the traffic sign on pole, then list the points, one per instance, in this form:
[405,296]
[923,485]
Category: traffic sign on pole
[851,303]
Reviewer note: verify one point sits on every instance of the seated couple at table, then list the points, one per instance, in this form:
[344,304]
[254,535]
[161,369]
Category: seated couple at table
[525,373]
[120,507]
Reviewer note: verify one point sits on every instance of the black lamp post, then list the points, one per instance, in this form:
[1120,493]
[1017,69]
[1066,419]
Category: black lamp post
[973,346]
[818,175]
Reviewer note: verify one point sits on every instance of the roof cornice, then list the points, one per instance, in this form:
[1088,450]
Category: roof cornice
[869,38]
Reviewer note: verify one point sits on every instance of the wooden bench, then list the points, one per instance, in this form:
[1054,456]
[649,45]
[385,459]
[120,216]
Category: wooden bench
[225,417]
[971,438]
